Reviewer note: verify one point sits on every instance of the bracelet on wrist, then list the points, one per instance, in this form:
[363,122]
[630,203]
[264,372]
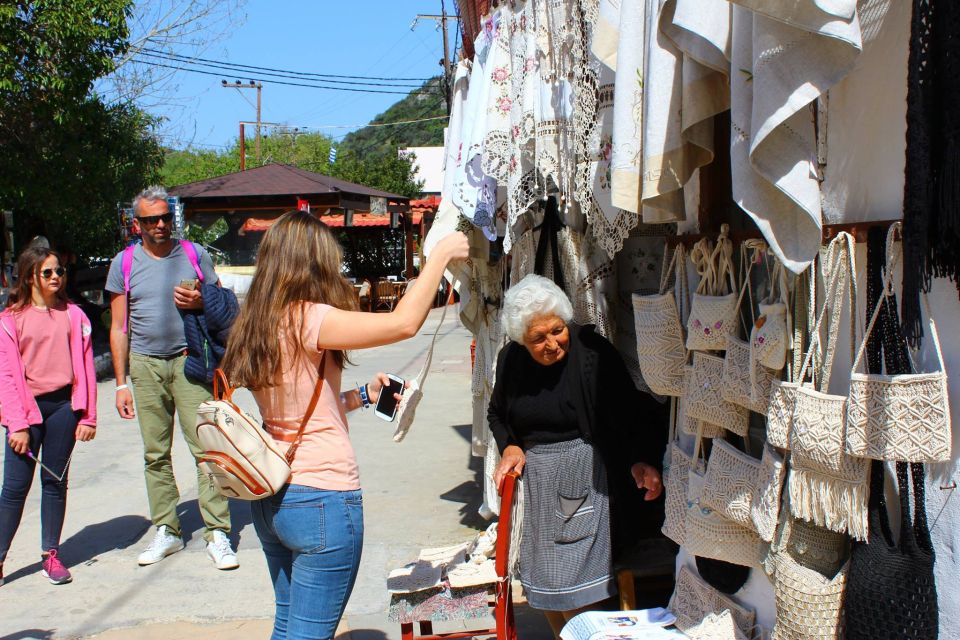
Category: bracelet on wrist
[364,396]
[120,387]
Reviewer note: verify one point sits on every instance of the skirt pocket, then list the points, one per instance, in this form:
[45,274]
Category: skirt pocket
[575,513]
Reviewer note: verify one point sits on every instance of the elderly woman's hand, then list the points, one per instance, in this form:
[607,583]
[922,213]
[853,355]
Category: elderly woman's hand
[648,478]
[513,459]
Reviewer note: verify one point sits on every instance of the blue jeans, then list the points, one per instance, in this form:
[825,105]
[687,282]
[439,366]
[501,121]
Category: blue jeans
[312,539]
[52,442]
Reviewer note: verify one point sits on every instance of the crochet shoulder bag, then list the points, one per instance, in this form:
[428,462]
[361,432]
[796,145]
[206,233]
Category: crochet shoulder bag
[709,534]
[770,335]
[703,399]
[657,318]
[898,416]
[676,473]
[765,505]
[827,486]
[746,383]
[693,600]
[713,312]
[891,591]
[730,482]
[413,393]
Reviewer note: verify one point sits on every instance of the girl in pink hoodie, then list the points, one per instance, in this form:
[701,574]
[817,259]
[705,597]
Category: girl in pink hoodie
[48,399]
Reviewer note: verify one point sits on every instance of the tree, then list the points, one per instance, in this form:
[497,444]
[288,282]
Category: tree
[68,157]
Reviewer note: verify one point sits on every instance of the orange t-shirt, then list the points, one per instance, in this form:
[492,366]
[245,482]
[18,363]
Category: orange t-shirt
[325,457]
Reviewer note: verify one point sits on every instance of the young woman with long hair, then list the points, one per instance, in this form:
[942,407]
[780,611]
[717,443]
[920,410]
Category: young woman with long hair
[48,392]
[299,320]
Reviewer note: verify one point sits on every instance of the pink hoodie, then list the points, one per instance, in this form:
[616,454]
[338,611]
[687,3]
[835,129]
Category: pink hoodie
[18,408]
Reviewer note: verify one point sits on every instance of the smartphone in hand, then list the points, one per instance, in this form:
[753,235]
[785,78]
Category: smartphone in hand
[188,284]
[386,408]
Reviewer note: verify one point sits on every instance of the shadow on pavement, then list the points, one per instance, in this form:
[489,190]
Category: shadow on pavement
[90,542]
[30,634]
[470,494]
[191,522]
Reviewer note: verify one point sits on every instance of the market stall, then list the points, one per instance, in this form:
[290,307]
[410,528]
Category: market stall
[757,203]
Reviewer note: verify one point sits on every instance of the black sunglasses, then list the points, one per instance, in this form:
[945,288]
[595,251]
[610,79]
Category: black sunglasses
[46,274]
[166,217]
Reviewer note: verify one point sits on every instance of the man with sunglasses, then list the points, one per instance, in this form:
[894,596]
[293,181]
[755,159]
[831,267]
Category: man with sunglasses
[153,338]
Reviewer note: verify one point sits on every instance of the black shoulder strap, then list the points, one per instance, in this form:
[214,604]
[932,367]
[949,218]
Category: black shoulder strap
[548,238]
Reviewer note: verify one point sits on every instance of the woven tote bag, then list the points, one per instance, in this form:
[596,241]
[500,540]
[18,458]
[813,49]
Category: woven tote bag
[660,342]
[703,399]
[693,600]
[716,627]
[710,535]
[783,397]
[745,383]
[713,310]
[827,486]
[813,547]
[730,483]
[809,604]
[676,473]
[891,591]
[765,506]
[692,426]
[898,416]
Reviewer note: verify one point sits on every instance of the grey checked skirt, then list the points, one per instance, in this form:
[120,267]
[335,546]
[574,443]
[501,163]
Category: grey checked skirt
[565,550]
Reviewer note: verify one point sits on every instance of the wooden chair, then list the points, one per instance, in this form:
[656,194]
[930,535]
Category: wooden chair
[386,295]
[506,628]
[651,562]
[363,293]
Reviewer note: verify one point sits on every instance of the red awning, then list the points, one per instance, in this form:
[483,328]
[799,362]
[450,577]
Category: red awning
[336,220]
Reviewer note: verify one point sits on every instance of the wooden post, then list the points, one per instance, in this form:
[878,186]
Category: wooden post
[408,244]
[243,150]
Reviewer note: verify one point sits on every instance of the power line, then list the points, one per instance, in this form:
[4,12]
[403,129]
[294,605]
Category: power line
[238,71]
[377,124]
[256,68]
[291,84]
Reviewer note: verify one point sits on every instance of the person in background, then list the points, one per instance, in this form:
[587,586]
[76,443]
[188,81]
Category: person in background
[157,349]
[296,324]
[48,392]
[565,412]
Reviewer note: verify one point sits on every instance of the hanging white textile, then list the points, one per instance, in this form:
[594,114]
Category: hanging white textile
[783,63]
[606,32]
[627,110]
[454,141]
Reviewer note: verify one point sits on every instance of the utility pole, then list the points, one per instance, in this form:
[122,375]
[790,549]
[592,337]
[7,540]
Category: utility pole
[447,68]
[236,84]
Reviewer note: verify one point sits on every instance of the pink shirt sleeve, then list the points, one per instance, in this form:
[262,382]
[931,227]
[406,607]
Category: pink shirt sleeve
[312,321]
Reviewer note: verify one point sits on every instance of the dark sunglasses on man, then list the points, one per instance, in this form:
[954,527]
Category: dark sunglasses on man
[151,220]
[46,274]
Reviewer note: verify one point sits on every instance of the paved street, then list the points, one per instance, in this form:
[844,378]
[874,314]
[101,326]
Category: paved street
[419,493]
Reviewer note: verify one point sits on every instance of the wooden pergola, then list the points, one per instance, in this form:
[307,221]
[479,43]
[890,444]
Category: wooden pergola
[255,197]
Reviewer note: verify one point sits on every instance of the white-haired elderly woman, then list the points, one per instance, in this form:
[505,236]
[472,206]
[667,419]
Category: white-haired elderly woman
[566,413]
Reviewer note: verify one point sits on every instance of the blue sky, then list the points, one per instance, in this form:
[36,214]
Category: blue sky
[352,37]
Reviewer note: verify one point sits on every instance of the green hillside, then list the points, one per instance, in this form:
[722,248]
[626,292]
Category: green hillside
[386,140]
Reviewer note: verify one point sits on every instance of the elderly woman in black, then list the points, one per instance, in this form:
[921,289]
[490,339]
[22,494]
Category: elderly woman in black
[566,413]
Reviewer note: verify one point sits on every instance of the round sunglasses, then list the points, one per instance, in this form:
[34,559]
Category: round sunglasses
[46,274]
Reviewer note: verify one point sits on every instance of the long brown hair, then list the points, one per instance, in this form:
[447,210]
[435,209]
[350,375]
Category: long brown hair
[28,271]
[298,261]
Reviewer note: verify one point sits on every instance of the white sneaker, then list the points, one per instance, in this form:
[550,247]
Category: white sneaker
[164,543]
[220,552]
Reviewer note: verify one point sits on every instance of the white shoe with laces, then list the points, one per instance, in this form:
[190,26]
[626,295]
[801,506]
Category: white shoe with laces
[220,551]
[163,544]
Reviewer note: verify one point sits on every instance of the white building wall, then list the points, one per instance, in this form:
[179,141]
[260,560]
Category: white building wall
[429,167]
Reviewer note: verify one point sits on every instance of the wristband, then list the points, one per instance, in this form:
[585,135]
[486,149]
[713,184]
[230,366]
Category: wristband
[121,387]
[364,398]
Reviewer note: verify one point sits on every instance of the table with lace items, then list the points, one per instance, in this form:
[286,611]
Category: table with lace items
[442,604]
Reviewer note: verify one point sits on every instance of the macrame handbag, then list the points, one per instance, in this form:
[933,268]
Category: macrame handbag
[898,416]
[745,383]
[693,600]
[770,335]
[827,486]
[711,535]
[713,311]
[730,482]
[716,627]
[703,399]
[765,506]
[808,603]
[692,426]
[810,546]
[891,591]
[676,472]
[657,318]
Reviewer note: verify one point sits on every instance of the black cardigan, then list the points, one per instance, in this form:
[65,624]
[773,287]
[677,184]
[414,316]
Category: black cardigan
[626,425]
[612,413]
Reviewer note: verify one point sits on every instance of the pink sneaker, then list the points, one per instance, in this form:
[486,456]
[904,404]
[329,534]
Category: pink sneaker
[54,570]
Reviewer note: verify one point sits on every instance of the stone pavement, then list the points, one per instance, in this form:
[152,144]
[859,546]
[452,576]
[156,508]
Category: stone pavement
[422,492]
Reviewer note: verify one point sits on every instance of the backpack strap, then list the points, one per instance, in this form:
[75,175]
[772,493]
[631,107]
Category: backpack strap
[191,250]
[292,451]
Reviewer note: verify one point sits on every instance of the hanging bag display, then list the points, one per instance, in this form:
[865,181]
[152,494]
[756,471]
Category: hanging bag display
[730,482]
[657,318]
[898,416]
[827,486]
[808,603]
[693,600]
[891,591]
[676,473]
[765,506]
[692,426]
[713,311]
[702,396]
